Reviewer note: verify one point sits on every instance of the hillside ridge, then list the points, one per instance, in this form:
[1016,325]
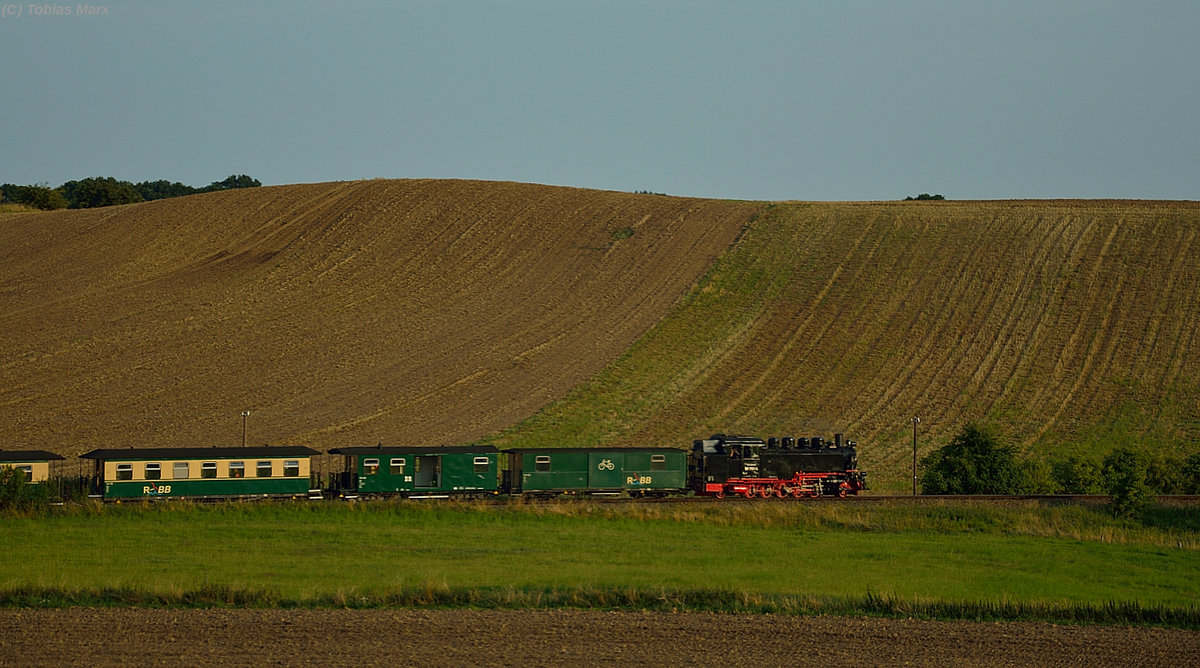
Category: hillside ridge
[338,314]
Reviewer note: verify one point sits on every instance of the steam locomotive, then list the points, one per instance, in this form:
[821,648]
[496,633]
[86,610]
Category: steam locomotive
[778,467]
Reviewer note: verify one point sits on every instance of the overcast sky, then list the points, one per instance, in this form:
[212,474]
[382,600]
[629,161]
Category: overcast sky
[847,100]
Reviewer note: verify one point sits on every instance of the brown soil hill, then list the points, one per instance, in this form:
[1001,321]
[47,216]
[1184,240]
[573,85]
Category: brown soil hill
[1070,325]
[338,313]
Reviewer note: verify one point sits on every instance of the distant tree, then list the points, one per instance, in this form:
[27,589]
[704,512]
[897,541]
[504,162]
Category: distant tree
[39,196]
[923,197]
[231,182]
[163,189]
[106,191]
[1125,479]
[975,462]
[98,191]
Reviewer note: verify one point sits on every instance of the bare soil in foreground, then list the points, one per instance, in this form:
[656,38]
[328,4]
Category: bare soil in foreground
[559,638]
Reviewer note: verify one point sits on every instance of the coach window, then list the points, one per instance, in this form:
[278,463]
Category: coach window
[541,463]
[237,469]
[397,466]
[153,471]
[263,470]
[481,464]
[291,468]
[208,470]
[370,466]
[181,470]
[28,471]
[124,471]
[658,462]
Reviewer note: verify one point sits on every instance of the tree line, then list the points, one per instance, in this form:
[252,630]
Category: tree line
[977,461]
[100,191]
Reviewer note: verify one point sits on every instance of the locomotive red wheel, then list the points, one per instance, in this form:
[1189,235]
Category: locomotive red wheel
[779,493]
[797,492]
[766,492]
[720,493]
[750,492]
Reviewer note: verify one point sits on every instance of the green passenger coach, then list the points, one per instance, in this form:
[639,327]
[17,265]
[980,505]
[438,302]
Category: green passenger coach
[632,471]
[141,473]
[420,471]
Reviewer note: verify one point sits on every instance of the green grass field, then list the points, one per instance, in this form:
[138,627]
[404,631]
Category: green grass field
[957,560]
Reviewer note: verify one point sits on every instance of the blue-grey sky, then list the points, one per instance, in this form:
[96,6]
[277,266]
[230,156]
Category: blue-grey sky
[848,100]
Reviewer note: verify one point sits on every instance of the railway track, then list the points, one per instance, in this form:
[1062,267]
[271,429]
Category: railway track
[903,499]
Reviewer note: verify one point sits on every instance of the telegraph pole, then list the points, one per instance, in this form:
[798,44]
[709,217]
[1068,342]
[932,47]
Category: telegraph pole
[245,414]
[915,422]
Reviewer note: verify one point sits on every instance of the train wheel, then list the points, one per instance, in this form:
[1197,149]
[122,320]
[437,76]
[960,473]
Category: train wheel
[750,492]
[797,492]
[779,493]
[766,492]
[720,493]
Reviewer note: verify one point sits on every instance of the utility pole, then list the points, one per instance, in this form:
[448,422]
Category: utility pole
[245,414]
[915,422]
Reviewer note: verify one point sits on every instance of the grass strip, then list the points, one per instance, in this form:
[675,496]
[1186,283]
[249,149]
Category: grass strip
[606,598]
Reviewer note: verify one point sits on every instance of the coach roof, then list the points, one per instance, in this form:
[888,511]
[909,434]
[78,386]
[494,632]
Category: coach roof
[612,449]
[27,456]
[412,450]
[200,453]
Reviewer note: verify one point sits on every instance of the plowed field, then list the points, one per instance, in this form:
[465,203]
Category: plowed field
[1070,324]
[338,314]
[560,638]
[432,312]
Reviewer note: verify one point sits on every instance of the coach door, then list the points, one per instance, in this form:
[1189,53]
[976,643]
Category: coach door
[427,472]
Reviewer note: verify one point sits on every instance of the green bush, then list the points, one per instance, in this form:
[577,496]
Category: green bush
[975,462]
[1040,477]
[1165,474]
[1125,477]
[1191,474]
[16,494]
[1077,475]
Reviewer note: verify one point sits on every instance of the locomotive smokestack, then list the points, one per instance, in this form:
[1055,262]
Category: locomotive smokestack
[837,440]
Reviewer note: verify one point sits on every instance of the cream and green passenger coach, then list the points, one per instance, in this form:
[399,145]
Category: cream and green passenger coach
[126,473]
[35,464]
